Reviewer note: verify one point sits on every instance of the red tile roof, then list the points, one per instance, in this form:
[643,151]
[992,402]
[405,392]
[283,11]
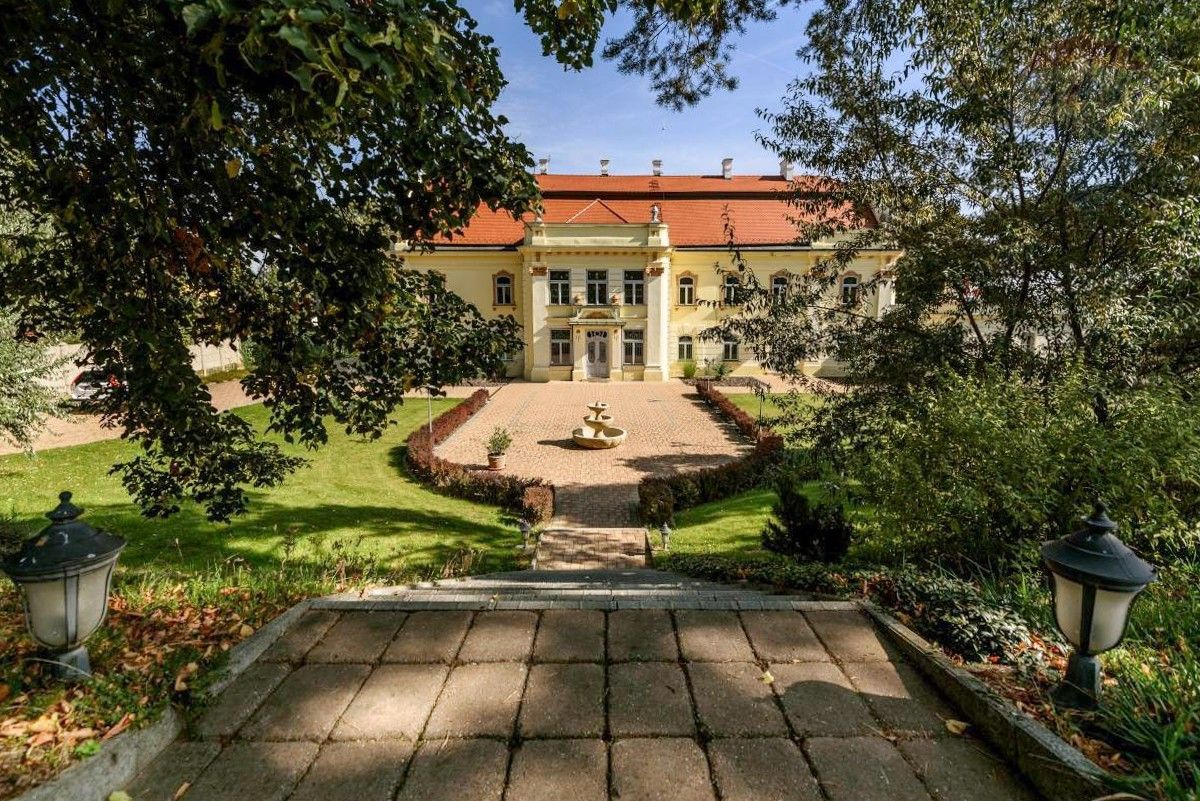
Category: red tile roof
[693,206]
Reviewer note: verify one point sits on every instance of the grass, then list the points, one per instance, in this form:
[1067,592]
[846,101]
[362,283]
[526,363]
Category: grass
[187,590]
[775,407]
[353,494]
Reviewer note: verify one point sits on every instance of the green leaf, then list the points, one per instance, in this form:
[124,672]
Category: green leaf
[214,116]
[196,15]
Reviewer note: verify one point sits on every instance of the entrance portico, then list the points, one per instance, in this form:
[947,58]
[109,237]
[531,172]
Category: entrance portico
[606,284]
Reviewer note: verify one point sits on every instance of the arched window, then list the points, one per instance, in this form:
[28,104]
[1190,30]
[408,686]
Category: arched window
[502,289]
[850,289]
[686,353]
[687,290]
[779,287]
[731,288]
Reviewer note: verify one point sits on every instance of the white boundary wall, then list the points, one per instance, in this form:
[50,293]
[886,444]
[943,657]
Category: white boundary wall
[205,359]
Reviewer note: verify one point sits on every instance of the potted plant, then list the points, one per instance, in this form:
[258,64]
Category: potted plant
[499,442]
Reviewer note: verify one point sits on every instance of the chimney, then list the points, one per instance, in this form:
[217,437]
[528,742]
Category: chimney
[604,166]
[656,166]
[785,169]
[726,168]
[543,165]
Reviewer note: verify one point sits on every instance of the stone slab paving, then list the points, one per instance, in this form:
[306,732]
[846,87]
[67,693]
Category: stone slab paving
[638,705]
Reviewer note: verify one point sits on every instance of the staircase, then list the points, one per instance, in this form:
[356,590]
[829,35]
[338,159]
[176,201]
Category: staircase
[571,589]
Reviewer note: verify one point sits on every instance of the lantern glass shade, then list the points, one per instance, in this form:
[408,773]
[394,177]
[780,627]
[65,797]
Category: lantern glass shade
[65,610]
[1108,617]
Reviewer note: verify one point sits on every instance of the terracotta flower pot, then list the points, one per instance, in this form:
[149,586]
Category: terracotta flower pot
[495,461]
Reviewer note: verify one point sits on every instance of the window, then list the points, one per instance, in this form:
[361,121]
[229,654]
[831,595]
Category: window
[779,288]
[687,290]
[850,289]
[685,349]
[635,347]
[730,350]
[635,287]
[503,286]
[731,288]
[560,346]
[597,287]
[560,287]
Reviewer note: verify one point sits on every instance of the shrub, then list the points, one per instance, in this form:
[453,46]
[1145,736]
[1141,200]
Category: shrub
[656,502]
[500,441]
[805,532]
[954,613]
[689,369]
[976,467]
[949,611]
[537,504]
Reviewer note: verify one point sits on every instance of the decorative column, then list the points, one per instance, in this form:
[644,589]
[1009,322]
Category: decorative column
[658,292]
[537,335]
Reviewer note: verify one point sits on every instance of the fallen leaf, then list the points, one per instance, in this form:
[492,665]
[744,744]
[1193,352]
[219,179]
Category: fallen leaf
[183,788]
[766,677]
[957,726]
[5,691]
[41,739]
[245,631]
[120,726]
[43,725]
[120,795]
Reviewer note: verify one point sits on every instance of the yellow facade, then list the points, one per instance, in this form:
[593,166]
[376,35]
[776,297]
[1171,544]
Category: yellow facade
[604,301]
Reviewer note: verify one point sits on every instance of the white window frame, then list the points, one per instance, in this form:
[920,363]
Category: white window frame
[690,286]
[730,351]
[779,288]
[599,298]
[688,355]
[729,288]
[634,347]
[560,287]
[502,281]
[560,337]
[635,287]
[851,289]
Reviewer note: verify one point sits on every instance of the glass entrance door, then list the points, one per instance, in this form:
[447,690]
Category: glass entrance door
[597,354]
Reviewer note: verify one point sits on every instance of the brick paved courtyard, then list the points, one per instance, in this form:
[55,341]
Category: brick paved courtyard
[669,430]
[585,705]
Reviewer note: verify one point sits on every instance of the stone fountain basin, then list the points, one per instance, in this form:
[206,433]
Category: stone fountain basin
[608,437]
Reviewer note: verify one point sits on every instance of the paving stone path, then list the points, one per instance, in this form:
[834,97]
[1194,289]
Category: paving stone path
[492,689]
[594,525]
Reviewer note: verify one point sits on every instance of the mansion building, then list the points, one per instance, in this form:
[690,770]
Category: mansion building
[616,276]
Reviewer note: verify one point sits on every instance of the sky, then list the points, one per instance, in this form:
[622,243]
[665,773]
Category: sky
[578,118]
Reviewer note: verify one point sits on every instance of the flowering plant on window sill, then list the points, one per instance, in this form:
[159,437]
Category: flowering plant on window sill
[615,299]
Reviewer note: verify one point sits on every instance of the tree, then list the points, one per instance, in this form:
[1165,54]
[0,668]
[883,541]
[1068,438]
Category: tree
[26,397]
[1035,165]
[208,172]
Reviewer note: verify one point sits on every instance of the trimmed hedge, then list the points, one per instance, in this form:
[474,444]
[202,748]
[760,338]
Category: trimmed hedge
[659,497]
[460,481]
[537,504]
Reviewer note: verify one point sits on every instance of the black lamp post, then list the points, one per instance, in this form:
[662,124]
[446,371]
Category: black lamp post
[1096,577]
[64,573]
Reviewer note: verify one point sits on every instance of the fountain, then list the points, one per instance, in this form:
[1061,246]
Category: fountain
[598,431]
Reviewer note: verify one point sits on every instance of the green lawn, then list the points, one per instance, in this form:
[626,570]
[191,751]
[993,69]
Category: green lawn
[773,405]
[354,499]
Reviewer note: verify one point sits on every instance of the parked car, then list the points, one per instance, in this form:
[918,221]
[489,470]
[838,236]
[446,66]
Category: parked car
[91,385]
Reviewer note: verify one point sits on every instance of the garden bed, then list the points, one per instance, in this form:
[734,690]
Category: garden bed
[1147,733]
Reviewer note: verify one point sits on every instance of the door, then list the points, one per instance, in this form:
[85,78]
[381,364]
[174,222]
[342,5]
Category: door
[597,354]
